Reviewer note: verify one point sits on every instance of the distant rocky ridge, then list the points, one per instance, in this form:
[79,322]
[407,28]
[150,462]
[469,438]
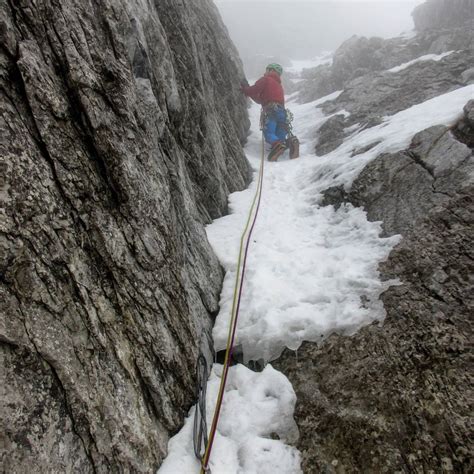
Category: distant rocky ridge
[438,14]
[360,56]
[397,397]
[369,98]
[122,126]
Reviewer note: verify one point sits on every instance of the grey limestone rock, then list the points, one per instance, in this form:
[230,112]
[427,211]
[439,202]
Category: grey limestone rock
[331,134]
[122,123]
[317,82]
[356,57]
[397,397]
[386,93]
[443,26]
[368,99]
[436,14]
[400,189]
[359,56]
[464,130]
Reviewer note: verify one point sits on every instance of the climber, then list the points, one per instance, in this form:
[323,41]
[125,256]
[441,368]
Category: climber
[268,92]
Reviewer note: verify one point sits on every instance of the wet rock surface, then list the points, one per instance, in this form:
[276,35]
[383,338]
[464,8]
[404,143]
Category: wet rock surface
[122,125]
[331,134]
[400,189]
[398,397]
[366,100]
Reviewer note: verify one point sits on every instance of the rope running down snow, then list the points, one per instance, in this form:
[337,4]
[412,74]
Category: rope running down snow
[239,280]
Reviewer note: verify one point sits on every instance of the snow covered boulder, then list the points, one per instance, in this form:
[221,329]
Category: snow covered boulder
[401,189]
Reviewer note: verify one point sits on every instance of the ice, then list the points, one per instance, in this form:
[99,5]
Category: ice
[426,57]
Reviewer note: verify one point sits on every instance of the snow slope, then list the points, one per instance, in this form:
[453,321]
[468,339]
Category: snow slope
[309,265]
[426,57]
[312,270]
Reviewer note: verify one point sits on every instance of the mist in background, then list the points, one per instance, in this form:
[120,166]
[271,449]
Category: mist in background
[295,29]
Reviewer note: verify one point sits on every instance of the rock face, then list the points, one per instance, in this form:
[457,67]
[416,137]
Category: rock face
[368,99]
[443,25]
[398,398]
[435,14]
[331,134]
[122,124]
[401,189]
[359,56]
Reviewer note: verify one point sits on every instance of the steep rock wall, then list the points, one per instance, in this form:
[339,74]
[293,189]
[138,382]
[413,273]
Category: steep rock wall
[121,125]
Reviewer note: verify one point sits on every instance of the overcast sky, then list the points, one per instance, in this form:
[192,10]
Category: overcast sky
[300,29]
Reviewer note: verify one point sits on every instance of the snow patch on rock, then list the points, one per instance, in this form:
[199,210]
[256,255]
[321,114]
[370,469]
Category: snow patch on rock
[426,57]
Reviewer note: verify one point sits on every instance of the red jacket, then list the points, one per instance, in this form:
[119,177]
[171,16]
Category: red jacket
[266,90]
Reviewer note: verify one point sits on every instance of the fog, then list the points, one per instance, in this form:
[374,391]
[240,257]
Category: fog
[302,29]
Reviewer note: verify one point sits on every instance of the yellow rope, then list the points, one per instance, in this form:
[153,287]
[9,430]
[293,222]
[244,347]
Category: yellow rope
[238,283]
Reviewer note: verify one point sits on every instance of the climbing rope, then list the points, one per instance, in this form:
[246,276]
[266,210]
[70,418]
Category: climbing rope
[239,280]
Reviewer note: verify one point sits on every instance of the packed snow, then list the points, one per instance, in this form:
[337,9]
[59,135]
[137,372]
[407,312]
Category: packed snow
[312,270]
[426,57]
[310,266]
[257,406]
